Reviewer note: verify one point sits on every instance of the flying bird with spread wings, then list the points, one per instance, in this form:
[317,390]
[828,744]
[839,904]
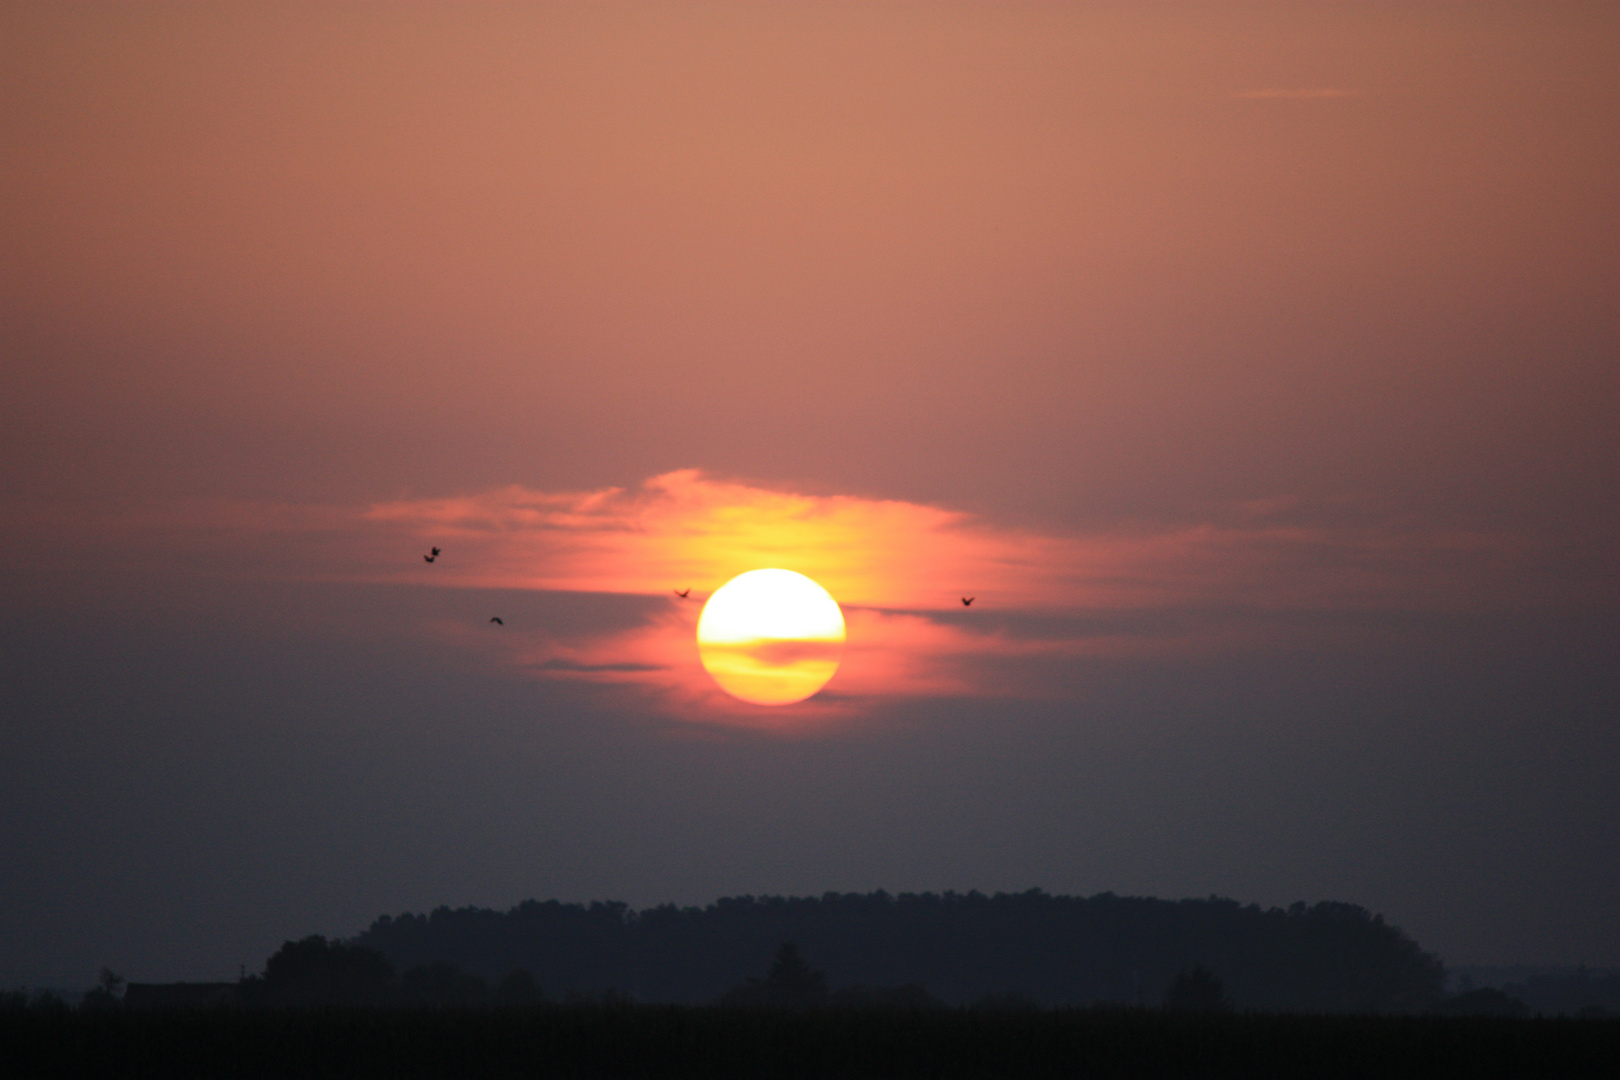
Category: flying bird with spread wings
[430,558]
[496,619]
[683,593]
[967,601]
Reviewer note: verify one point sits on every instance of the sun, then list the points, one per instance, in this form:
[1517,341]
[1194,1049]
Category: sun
[771,637]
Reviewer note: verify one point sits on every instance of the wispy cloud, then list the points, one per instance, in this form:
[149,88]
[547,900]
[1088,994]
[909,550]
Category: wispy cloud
[900,568]
[888,655]
[1048,601]
[1311,93]
[685,529]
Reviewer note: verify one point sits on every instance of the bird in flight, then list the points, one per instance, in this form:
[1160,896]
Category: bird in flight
[496,619]
[967,601]
[430,558]
[435,553]
[684,593]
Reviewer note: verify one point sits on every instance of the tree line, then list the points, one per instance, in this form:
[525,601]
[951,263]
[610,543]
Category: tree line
[957,948]
[1008,951]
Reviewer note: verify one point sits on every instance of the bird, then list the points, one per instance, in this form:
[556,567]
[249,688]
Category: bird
[967,601]
[496,619]
[435,553]
[684,593]
[428,558]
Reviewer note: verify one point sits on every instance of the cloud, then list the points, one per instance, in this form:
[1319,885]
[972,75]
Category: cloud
[685,529]
[575,666]
[1049,602]
[900,568]
[1320,93]
[655,665]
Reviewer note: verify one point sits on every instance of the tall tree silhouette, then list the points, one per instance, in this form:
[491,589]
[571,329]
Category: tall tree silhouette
[791,983]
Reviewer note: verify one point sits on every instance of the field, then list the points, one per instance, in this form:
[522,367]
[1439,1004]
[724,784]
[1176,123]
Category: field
[630,1041]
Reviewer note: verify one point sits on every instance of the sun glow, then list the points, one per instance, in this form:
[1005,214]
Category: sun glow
[771,637]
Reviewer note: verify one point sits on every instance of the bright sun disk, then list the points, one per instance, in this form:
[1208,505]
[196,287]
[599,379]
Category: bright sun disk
[771,637]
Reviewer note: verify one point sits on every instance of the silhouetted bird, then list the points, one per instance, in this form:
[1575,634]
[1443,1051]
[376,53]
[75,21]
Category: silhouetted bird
[427,558]
[435,553]
[497,620]
[683,593]
[967,601]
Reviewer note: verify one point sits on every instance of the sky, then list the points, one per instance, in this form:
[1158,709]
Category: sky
[1255,367]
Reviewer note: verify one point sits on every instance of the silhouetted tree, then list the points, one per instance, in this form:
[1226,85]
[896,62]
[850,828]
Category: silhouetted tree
[442,984]
[107,993]
[47,1002]
[791,983]
[1196,991]
[40,1001]
[315,971]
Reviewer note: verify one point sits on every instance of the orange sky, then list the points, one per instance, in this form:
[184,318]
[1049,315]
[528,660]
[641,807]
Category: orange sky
[1249,349]
[1086,308]
[1050,261]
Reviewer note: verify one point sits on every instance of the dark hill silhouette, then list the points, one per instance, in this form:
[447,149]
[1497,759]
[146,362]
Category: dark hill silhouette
[1054,950]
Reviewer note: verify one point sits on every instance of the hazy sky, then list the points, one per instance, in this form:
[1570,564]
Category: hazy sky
[1256,365]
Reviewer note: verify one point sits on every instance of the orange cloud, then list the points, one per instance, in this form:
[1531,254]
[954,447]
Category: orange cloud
[1046,601]
[897,568]
[685,529]
[888,655]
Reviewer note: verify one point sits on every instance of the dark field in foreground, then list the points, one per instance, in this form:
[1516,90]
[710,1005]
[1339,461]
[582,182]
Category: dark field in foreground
[657,1041]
